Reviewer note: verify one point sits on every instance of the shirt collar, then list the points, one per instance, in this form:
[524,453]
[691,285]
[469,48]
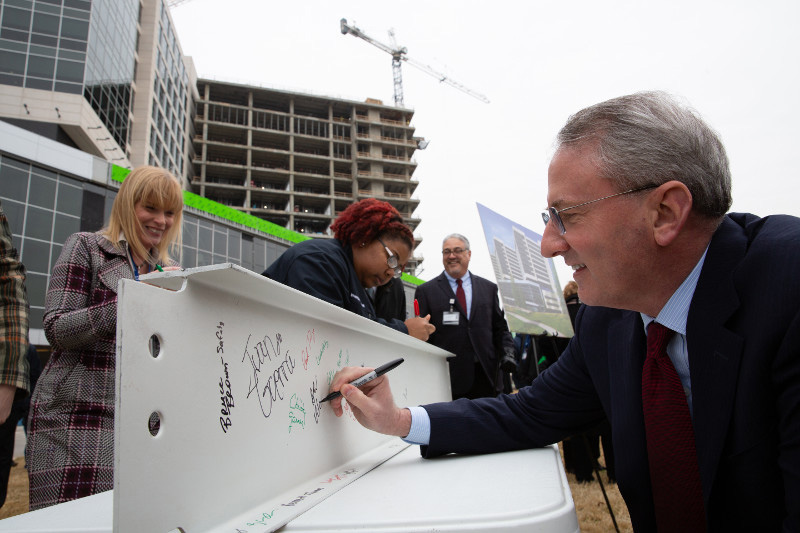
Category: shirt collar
[676,311]
[452,280]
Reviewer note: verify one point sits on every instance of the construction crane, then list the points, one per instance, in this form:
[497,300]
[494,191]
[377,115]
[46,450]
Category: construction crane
[398,54]
[175,3]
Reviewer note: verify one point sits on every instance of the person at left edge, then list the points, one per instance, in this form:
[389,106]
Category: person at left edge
[70,450]
[14,367]
[371,247]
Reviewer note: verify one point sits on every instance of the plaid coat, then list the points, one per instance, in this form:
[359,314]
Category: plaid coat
[13,313]
[70,450]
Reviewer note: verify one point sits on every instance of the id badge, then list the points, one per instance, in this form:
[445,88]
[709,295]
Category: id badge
[450,318]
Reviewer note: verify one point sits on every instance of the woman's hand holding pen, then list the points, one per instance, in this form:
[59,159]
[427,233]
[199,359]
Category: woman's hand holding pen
[373,404]
[420,327]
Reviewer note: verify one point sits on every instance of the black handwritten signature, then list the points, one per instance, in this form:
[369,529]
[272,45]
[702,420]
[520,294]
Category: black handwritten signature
[225,392]
[315,401]
[272,390]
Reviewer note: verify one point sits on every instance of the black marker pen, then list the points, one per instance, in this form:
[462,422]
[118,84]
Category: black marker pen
[366,378]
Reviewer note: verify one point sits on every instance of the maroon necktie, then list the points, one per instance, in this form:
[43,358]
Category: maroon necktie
[461,297]
[671,450]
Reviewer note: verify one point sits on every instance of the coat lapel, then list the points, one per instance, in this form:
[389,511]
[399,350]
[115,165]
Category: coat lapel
[114,267]
[714,351]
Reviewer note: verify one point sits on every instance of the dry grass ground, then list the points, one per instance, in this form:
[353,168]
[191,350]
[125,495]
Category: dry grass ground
[593,515]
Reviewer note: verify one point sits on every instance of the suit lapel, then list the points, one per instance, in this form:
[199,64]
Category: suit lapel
[627,348]
[714,351]
[444,285]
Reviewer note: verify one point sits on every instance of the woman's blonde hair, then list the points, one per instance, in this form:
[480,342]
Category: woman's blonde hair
[153,186]
[570,289]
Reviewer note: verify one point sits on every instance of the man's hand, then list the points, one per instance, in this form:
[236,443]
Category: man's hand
[420,327]
[508,363]
[373,404]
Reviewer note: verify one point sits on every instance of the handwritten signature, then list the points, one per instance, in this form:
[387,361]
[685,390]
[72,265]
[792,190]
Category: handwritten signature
[314,401]
[297,412]
[262,520]
[225,392]
[272,390]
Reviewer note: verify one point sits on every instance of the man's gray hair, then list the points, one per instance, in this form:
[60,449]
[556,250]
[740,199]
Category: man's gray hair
[457,236]
[649,138]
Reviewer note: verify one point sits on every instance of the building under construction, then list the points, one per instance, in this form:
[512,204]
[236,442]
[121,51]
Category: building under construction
[299,160]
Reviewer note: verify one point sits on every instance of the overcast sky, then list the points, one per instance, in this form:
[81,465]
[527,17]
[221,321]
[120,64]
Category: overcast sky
[736,62]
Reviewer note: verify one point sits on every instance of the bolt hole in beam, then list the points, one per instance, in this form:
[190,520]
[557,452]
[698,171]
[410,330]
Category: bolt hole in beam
[154,345]
[154,421]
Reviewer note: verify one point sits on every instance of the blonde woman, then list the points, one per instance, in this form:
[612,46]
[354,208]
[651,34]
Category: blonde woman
[70,450]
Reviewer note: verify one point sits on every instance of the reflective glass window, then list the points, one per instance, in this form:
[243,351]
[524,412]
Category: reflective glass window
[42,192]
[72,88]
[15,180]
[38,83]
[69,199]
[13,35]
[74,29]
[69,71]
[203,258]
[37,287]
[36,255]
[44,23]
[41,67]
[189,257]
[17,19]
[39,223]
[65,226]
[13,62]
[44,40]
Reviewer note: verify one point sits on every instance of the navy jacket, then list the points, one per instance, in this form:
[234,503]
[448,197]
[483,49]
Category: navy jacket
[743,337]
[324,268]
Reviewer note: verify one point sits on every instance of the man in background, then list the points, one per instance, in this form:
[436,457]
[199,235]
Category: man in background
[469,323]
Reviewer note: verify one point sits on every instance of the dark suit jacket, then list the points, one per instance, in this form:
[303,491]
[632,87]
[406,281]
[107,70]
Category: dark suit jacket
[485,335]
[743,337]
[390,300]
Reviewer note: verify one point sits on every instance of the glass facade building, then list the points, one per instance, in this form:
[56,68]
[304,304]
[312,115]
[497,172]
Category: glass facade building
[171,101]
[75,47]
[111,63]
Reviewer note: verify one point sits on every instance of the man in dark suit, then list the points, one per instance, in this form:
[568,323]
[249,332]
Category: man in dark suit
[638,190]
[465,309]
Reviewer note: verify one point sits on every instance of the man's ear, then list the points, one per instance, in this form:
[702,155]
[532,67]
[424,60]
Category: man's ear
[672,204]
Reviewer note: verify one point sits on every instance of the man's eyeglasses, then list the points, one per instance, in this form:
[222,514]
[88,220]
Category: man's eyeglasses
[457,251]
[555,214]
[392,261]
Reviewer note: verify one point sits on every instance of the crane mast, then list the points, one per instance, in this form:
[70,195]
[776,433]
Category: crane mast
[399,54]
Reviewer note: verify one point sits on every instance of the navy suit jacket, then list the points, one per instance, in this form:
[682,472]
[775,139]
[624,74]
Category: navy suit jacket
[743,339]
[484,335]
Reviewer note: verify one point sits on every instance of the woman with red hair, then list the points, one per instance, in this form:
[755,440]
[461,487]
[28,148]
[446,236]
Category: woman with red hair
[371,247]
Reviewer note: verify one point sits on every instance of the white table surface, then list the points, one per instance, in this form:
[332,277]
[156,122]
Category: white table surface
[508,492]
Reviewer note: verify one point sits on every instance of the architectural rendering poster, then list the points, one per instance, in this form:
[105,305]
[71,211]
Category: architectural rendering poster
[532,296]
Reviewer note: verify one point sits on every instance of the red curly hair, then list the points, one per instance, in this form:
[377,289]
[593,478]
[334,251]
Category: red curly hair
[368,219]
